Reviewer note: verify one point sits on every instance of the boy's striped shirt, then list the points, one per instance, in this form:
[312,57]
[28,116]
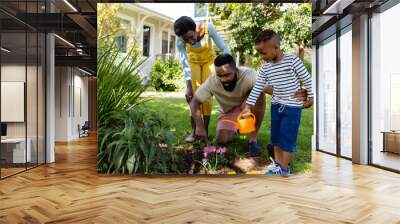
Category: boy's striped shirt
[285,77]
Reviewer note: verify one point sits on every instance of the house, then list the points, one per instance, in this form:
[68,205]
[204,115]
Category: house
[152,31]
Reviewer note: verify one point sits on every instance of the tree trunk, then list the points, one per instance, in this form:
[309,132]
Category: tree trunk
[301,51]
[248,60]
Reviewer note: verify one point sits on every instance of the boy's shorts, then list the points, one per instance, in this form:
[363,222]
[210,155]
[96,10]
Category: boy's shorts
[285,123]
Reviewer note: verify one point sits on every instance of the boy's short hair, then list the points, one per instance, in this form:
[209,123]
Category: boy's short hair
[266,35]
[183,25]
[224,59]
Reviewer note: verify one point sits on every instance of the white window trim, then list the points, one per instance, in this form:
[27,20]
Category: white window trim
[152,28]
[161,39]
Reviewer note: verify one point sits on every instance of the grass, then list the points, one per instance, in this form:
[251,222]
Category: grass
[177,112]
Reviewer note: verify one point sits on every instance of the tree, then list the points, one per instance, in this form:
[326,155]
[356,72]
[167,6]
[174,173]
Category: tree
[108,24]
[295,27]
[244,21]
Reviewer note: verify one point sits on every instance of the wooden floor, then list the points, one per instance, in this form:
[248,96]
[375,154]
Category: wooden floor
[70,191]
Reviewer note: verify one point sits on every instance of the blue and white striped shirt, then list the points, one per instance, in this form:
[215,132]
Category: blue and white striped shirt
[284,77]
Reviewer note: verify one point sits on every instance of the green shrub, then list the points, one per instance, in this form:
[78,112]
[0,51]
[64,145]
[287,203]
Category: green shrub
[130,139]
[119,85]
[166,75]
[133,144]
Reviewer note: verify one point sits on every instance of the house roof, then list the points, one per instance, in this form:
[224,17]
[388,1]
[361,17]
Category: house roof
[145,10]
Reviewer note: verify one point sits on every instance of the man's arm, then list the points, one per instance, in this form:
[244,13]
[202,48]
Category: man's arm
[202,94]
[201,132]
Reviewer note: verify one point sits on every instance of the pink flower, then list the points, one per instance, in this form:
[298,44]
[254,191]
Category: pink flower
[221,150]
[209,149]
[205,154]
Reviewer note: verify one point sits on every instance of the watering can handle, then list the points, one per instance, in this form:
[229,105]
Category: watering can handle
[249,114]
[225,120]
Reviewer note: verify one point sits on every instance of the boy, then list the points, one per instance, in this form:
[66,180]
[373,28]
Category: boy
[284,73]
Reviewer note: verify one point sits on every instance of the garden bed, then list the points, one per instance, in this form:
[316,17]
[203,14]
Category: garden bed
[190,159]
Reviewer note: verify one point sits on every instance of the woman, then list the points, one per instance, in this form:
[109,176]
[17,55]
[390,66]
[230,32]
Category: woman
[197,54]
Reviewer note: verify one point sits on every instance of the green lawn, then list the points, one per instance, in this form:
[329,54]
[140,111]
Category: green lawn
[177,112]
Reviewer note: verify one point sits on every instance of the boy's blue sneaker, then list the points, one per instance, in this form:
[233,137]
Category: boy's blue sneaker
[254,149]
[276,169]
[273,168]
[286,173]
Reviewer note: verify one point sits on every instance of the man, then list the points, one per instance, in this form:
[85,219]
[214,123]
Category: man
[230,86]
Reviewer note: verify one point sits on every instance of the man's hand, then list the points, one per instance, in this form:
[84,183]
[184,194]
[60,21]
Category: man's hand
[189,94]
[300,95]
[308,103]
[201,133]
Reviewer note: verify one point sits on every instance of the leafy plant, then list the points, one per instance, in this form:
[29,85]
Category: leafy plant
[131,139]
[134,143]
[119,85]
[166,75]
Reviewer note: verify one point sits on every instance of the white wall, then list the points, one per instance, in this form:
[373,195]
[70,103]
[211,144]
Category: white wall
[61,103]
[70,83]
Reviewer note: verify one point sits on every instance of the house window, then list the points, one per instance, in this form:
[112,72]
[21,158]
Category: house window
[146,41]
[164,43]
[121,43]
[172,44]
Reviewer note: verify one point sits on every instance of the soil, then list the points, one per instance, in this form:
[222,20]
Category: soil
[246,165]
[188,157]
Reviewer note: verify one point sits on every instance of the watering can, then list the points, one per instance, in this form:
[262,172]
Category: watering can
[245,124]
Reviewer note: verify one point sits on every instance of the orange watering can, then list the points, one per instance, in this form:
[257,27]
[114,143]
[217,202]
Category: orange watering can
[245,124]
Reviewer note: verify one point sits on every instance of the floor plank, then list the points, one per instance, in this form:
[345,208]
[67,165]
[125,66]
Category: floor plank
[70,191]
